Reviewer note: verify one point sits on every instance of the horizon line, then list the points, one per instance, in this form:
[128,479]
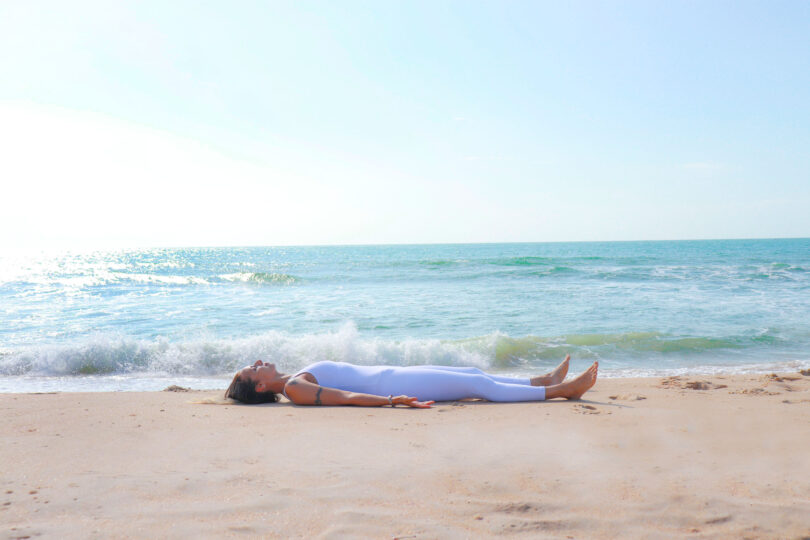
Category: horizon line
[378,244]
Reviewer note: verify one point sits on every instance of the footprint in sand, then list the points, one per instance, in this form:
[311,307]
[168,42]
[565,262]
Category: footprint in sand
[669,382]
[755,392]
[519,508]
[628,397]
[781,378]
[587,409]
[676,382]
[702,385]
[718,520]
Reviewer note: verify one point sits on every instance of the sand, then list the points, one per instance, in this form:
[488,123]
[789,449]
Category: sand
[692,457]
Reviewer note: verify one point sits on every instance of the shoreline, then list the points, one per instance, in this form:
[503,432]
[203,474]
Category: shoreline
[133,383]
[694,456]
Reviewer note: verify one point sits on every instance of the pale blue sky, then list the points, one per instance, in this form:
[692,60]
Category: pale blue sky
[189,123]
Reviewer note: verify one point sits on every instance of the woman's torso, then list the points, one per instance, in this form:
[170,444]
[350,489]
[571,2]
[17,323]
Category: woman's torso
[349,377]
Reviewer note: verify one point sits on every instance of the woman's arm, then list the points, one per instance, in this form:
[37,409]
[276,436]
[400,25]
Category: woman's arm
[303,392]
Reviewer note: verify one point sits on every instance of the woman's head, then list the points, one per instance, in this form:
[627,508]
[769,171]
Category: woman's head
[254,384]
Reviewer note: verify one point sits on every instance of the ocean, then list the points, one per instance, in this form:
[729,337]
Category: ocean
[148,318]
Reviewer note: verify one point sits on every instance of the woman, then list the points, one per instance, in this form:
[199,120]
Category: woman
[339,383]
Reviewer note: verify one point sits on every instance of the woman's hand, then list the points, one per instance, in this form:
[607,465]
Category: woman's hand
[411,402]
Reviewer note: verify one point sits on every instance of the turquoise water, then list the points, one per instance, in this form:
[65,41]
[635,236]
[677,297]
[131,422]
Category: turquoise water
[143,319]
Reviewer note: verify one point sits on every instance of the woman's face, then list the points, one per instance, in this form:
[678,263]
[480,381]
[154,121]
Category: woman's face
[260,372]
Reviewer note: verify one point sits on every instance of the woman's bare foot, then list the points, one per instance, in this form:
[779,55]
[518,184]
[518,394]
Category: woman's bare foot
[554,377]
[577,386]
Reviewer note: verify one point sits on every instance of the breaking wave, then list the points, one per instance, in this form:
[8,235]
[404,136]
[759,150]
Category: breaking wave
[105,354]
[271,278]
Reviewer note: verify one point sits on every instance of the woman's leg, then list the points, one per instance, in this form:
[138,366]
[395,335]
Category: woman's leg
[476,371]
[451,385]
[555,376]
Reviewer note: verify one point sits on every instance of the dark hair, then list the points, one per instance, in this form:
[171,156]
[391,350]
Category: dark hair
[245,391]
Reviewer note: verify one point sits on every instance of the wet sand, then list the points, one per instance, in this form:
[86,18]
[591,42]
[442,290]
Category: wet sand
[691,457]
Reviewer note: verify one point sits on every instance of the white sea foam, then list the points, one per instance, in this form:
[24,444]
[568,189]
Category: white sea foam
[163,279]
[106,354]
[260,277]
[784,365]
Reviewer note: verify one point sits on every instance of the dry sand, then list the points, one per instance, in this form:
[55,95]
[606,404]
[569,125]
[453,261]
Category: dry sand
[694,457]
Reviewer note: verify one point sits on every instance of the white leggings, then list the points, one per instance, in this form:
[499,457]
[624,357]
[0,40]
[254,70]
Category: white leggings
[444,383]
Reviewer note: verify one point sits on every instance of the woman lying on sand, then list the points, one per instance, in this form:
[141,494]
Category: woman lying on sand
[339,383]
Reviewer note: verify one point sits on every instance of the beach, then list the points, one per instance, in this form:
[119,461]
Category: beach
[272,189]
[691,456]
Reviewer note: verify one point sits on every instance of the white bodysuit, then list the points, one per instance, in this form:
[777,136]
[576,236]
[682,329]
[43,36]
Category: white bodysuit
[426,383]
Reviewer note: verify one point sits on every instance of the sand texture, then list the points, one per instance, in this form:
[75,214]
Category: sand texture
[688,457]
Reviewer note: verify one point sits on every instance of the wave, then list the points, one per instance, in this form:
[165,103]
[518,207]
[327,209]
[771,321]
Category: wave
[106,354]
[101,279]
[603,269]
[81,274]
[523,261]
[161,279]
[775,271]
[554,271]
[441,262]
[504,351]
[272,278]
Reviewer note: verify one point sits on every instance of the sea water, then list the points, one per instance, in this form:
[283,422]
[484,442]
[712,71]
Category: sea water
[144,319]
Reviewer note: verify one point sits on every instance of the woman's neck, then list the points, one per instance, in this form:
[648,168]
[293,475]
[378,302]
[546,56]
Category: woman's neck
[277,386]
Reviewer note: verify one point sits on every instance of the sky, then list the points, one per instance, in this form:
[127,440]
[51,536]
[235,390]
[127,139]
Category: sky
[152,124]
